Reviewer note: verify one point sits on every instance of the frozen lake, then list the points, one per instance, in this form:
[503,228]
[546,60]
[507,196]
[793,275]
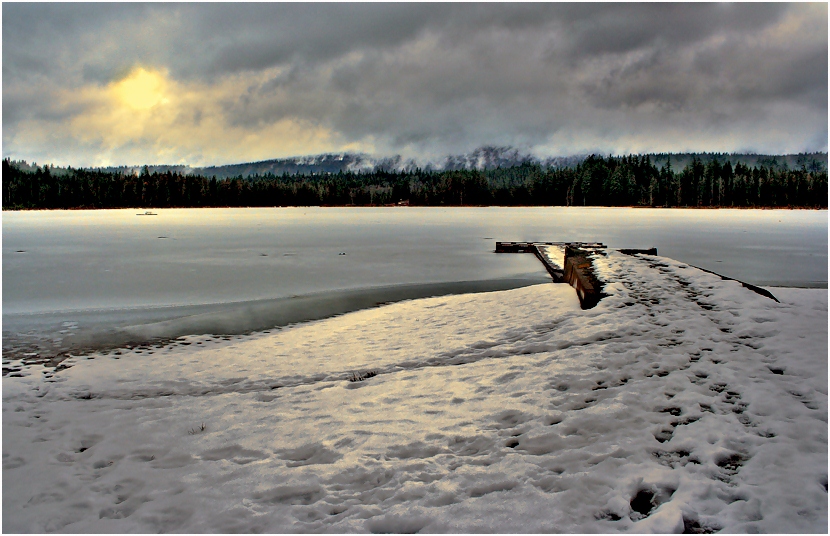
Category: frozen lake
[190,270]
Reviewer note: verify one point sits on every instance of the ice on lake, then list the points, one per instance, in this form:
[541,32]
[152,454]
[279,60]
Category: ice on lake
[77,279]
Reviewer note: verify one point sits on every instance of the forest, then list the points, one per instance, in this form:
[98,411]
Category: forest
[596,181]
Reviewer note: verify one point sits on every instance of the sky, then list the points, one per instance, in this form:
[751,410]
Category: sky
[209,84]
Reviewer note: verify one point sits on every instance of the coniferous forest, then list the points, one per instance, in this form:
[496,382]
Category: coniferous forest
[596,181]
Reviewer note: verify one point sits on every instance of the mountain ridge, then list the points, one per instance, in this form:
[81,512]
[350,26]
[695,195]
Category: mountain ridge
[486,157]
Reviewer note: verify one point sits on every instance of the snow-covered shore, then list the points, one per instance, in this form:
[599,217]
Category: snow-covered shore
[680,402]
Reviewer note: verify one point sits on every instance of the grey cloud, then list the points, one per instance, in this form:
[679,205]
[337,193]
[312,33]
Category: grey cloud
[747,72]
[54,33]
[620,28]
[274,34]
[39,103]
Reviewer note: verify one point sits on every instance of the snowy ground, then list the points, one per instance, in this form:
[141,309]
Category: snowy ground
[554,254]
[680,402]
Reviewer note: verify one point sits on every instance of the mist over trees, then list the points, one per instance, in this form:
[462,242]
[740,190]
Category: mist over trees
[596,181]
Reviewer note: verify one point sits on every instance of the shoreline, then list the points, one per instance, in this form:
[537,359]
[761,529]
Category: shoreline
[115,328]
[112,329]
[197,320]
[112,340]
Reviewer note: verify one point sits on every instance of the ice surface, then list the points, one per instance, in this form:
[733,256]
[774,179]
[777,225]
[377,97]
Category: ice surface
[72,279]
[681,401]
[113,259]
[79,279]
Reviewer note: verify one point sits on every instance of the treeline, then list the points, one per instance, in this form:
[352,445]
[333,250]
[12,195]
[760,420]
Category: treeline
[597,181]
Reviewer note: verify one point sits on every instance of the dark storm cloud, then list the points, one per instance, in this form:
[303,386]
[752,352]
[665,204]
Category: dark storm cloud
[316,33]
[435,78]
[620,28]
[50,38]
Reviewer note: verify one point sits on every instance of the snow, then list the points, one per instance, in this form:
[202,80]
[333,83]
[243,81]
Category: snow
[554,254]
[682,401]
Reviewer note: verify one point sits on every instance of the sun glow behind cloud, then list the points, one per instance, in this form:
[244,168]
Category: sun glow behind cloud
[149,117]
[141,90]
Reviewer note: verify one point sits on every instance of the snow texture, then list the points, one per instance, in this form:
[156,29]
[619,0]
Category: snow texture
[554,254]
[681,402]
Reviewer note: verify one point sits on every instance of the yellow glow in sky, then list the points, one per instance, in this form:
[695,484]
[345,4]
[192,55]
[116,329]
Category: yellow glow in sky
[141,90]
[148,116]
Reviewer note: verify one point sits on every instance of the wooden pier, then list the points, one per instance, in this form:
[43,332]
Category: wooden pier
[577,268]
[530,247]
[556,272]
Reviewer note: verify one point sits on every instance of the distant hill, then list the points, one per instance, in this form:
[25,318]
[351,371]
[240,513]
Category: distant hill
[812,161]
[482,158]
[488,157]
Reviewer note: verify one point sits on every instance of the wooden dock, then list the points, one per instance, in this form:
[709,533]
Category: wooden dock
[556,272]
[577,269]
[530,247]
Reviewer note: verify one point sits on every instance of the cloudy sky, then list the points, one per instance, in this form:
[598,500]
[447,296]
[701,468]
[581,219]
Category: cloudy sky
[200,84]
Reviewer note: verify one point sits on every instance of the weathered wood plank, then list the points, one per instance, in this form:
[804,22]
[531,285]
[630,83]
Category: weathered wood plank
[577,269]
[579,274]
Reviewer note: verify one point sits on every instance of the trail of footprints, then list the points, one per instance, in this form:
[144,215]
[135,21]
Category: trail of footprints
[511,426]
[726,399]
